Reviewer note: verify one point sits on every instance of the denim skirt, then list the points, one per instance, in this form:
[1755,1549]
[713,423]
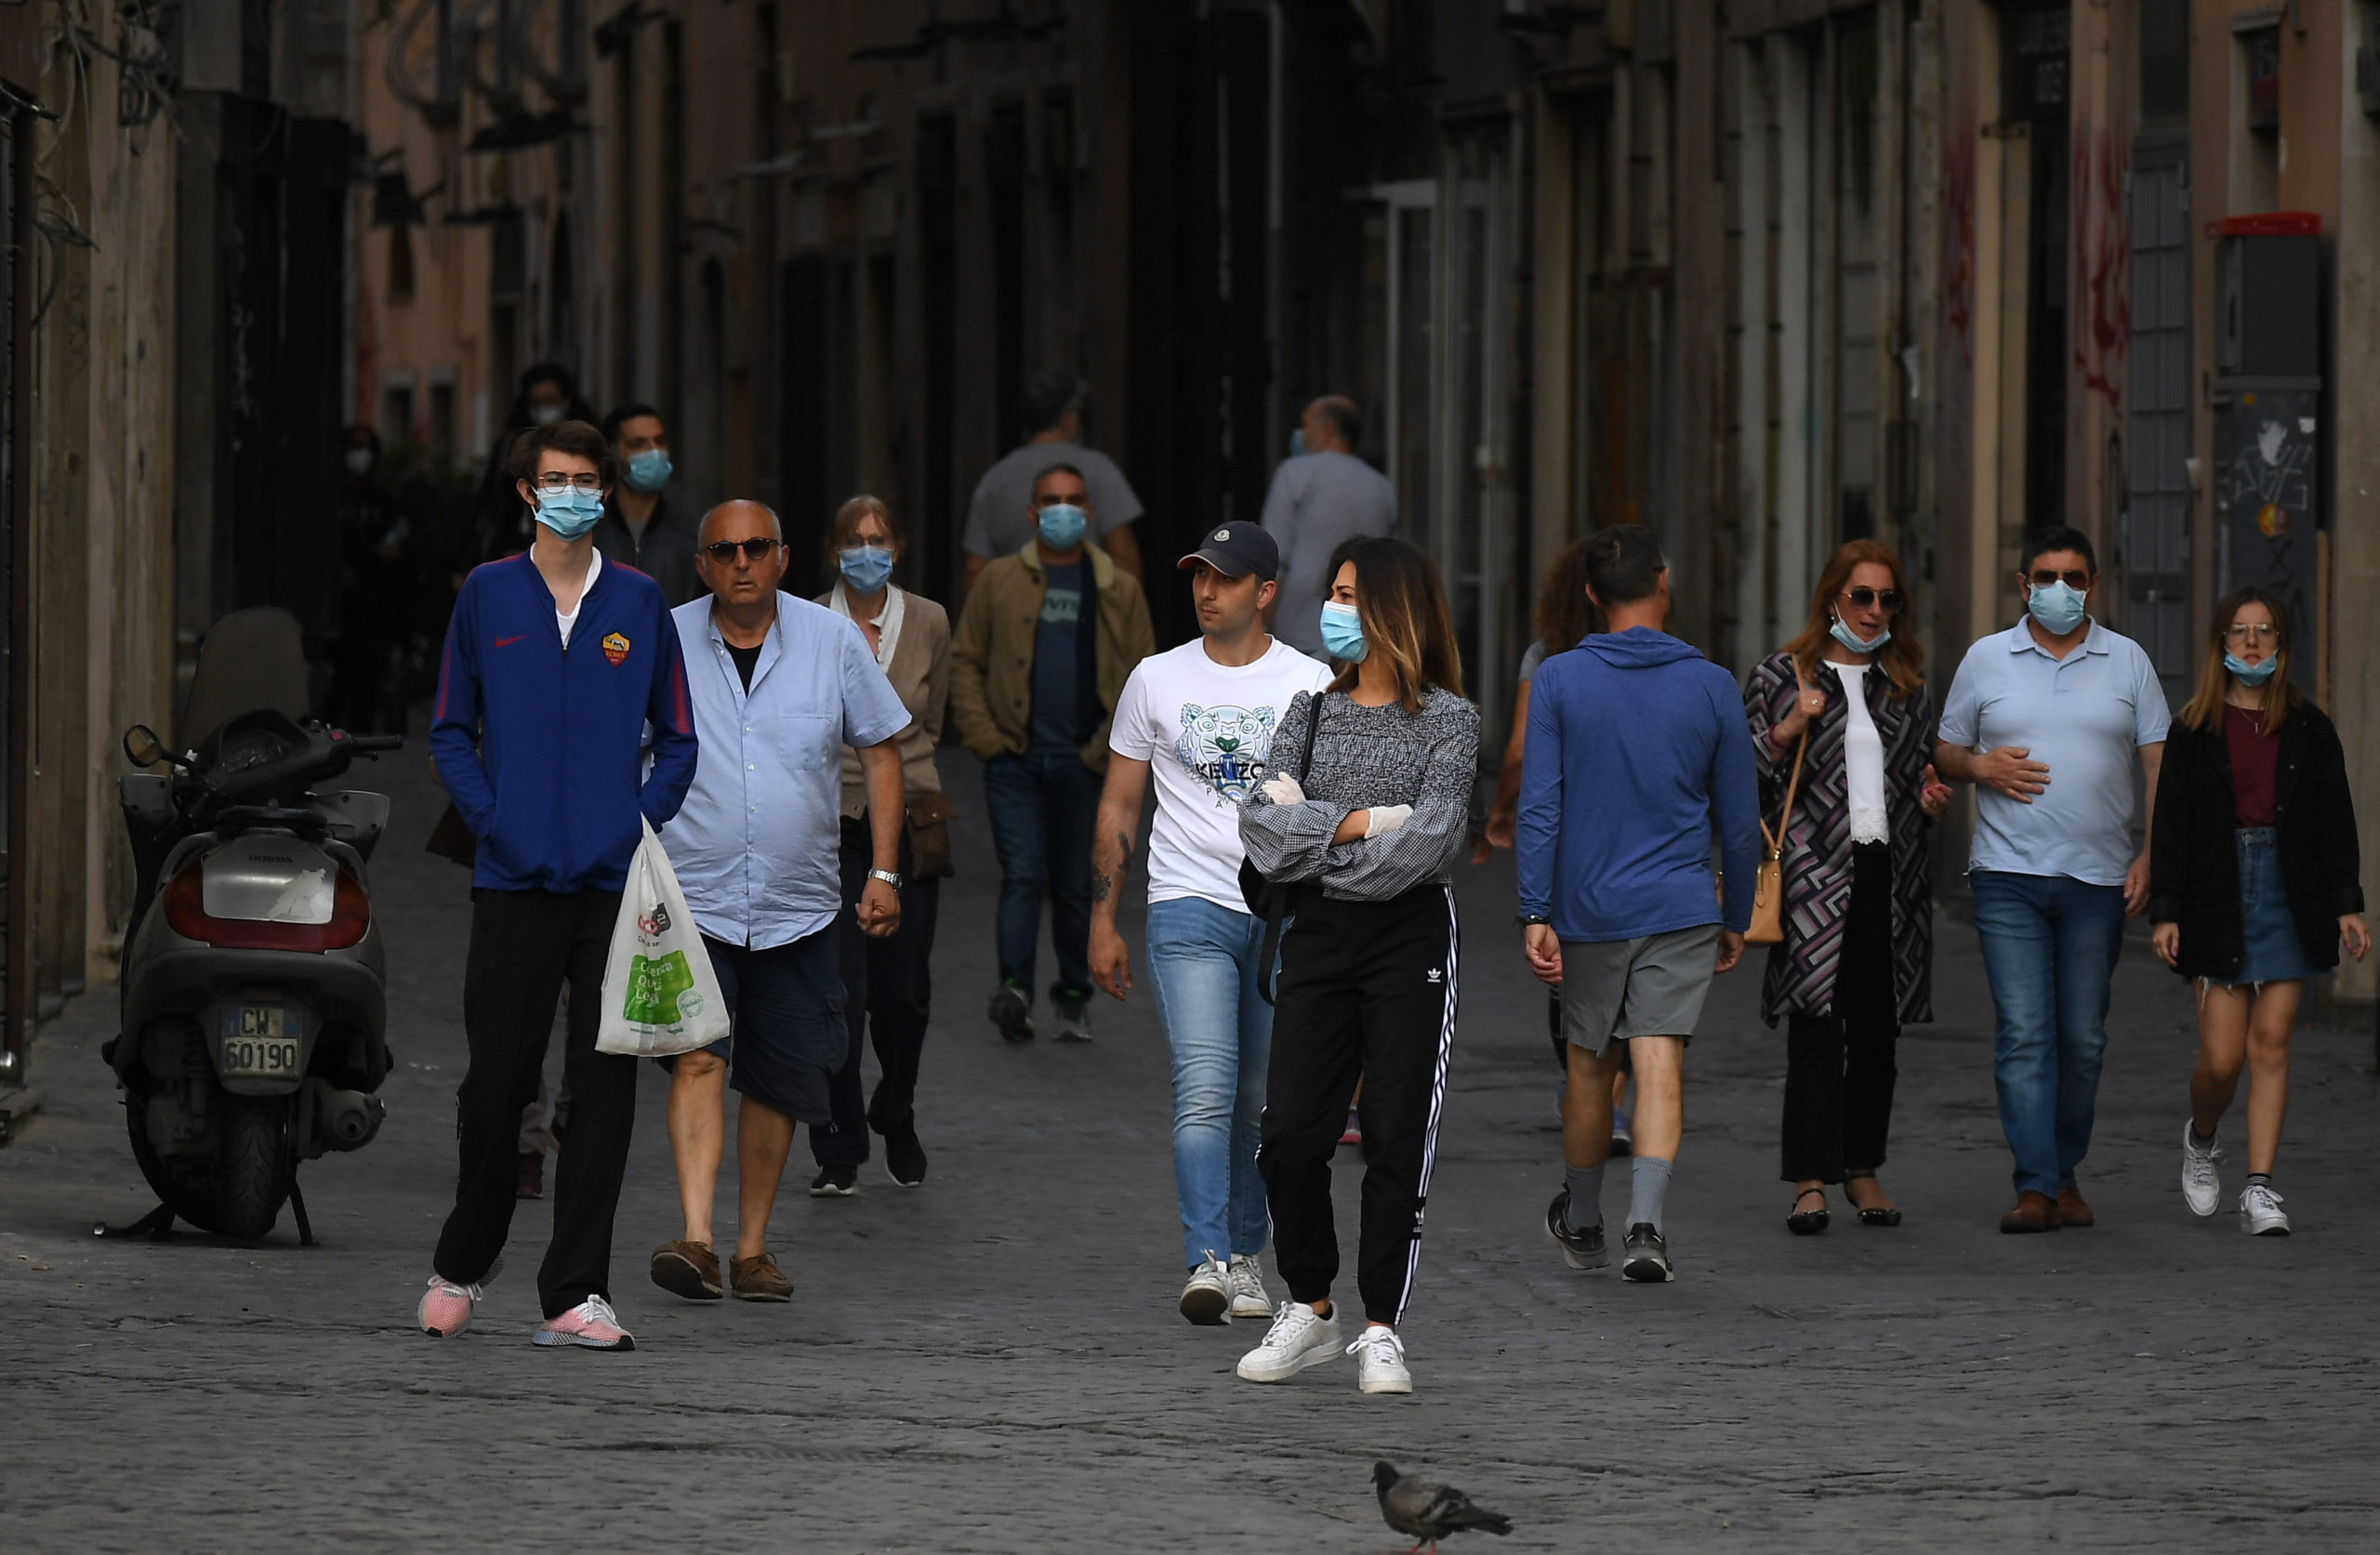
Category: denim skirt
[2269,935]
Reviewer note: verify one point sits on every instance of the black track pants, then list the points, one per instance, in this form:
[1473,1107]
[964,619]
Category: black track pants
[1367,990]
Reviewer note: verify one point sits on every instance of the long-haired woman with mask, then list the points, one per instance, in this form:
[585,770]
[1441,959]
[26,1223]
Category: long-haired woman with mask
[2254,884]
[1843,723]
[1365,819]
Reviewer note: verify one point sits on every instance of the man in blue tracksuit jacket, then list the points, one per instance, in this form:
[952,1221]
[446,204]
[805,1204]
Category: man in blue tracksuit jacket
[556,664]
[1637,752]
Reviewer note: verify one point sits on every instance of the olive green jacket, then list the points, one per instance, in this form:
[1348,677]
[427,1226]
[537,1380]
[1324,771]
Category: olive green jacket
[991,655]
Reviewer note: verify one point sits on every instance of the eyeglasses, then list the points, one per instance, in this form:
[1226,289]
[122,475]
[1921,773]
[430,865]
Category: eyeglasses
[555,480]
[1868,598]
[2078,580]
[2244,631]
[757,548]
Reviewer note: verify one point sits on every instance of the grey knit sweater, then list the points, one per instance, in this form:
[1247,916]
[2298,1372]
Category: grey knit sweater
[1364,756]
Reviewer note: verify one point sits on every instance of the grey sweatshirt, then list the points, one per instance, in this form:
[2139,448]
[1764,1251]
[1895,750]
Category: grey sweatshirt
[1366,757]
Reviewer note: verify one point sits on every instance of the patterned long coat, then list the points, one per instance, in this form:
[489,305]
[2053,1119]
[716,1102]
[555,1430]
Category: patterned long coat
[1818,841]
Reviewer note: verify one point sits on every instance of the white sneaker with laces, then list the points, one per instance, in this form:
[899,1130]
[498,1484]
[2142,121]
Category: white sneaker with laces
[2260,1212]
[1380,1361]
[1205,1300]
[1298,1339]
[2201,1185]
[1248,1297]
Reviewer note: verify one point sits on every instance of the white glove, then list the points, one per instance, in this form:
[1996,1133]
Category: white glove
[1283,790]
[1382,819]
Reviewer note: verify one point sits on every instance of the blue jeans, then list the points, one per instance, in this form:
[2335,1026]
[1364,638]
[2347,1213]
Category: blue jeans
[1203,959]
[2049,949]
[1042,809]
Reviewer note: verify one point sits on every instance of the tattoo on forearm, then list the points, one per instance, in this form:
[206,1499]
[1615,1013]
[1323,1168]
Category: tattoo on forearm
[1103,884]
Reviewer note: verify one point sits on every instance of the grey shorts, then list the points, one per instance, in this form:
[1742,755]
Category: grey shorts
[1617,989]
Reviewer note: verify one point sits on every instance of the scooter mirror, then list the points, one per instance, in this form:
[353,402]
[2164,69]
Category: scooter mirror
[141,746]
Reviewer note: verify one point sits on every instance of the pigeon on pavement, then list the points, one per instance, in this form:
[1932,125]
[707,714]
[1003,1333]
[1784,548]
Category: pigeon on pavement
[1428,1511]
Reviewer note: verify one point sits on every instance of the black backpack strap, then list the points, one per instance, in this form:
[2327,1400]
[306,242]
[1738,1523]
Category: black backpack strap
[1279,906]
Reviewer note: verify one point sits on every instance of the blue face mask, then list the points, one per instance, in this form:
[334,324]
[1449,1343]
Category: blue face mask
[649,471]
[1343,632]
[1297,442]
[2251,674]
[569,513]
[864,568]
[1851,639]
[1061,526]
[2059,607]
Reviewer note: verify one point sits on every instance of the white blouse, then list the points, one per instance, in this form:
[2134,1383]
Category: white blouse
[1863,753]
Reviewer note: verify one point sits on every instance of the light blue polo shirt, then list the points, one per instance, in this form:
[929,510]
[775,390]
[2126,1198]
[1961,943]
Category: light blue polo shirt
[757,844]
[2085,716]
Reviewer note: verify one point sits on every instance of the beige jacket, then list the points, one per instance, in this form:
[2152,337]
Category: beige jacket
[991,657]
[920,676]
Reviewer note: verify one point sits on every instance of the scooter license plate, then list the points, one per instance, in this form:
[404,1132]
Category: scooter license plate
[253,1047]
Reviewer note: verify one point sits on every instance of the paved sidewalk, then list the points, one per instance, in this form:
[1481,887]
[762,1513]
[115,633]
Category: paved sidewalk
[994,1363]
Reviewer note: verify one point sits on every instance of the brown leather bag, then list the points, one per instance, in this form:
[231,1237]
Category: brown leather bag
[1769,887]
[928,816]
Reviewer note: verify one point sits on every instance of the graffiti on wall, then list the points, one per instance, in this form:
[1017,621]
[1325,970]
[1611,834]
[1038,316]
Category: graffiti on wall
[2102,328]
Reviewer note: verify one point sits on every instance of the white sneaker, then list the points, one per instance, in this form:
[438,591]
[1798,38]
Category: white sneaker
[1297,1339]
[1248,1297]
[2260,1212]
[2202,1186]
[1380,1360]
[1205,1300]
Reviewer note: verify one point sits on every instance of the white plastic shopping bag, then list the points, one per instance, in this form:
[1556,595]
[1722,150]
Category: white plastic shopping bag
[660,995]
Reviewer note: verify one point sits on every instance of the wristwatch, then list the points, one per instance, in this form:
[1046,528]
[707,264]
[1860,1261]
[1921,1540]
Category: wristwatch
[1531,920]
[890,877]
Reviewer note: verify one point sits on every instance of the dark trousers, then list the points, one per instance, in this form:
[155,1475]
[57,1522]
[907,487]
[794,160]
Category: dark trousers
[1365,991]
[888,988]
[1041,809]
[1839,1069]
[524,945]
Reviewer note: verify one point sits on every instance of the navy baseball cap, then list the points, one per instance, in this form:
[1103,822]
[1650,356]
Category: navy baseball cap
[1235,550]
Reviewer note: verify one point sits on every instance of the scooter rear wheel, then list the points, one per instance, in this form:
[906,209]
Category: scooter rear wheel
[252,1175]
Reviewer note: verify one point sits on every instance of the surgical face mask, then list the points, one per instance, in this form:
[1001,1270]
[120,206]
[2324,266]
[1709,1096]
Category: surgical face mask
[1852,639]
[1297,442]
[359,461]
[545,413]
[2251,674]
[570,512]
[864,568]
[1062,525]
[649,471]
[1343,632]
[2059,607]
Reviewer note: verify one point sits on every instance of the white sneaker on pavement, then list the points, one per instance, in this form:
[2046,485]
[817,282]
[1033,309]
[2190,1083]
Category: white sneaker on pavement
[2260,1212]
[1248,1297]
[1205,1300]
[1297,1340]
[1380,1361]
[2201,1184]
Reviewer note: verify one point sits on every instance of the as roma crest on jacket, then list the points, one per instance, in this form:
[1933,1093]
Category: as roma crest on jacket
[616,648]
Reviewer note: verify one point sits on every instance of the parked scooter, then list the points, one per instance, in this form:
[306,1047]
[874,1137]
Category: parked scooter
[254,1015]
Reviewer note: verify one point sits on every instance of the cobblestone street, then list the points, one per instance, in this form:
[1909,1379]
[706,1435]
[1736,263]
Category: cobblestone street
[995,1363]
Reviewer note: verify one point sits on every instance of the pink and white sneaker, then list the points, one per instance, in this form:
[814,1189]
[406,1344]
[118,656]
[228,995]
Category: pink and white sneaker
[446,1306]
[591,1326]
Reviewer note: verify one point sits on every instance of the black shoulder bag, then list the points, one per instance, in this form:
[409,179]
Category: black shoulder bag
[1274,899]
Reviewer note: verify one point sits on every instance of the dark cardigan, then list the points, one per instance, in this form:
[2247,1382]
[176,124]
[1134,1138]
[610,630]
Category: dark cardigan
[2194,873]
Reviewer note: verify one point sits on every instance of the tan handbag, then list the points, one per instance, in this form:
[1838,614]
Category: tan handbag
[1769,887]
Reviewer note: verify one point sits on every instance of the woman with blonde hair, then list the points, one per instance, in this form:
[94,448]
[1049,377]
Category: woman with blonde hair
[1843,721]
[1366,807]
[2253,883]
[888,983]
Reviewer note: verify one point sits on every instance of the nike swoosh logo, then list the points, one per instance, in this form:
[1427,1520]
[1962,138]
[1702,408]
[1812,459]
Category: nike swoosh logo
[508,641]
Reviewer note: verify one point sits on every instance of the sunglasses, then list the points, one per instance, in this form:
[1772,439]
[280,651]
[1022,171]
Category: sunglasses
[1868,598]
[757,548]
[2077,580]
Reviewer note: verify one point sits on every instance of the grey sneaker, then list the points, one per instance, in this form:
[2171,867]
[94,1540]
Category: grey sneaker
[1248,1297]
[1205,1300]
[1012,1011]
[1073,1010]
[1580,1249]
[2201,1185]
[1648,1256]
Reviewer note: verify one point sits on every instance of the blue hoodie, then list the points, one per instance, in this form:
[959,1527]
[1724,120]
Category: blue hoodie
[539,745]
[1637,750]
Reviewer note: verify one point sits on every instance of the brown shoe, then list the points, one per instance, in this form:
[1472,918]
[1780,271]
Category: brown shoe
[2033,1212]
[687,1269]
[759,1279]
[532,1181]
[2071,1210]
